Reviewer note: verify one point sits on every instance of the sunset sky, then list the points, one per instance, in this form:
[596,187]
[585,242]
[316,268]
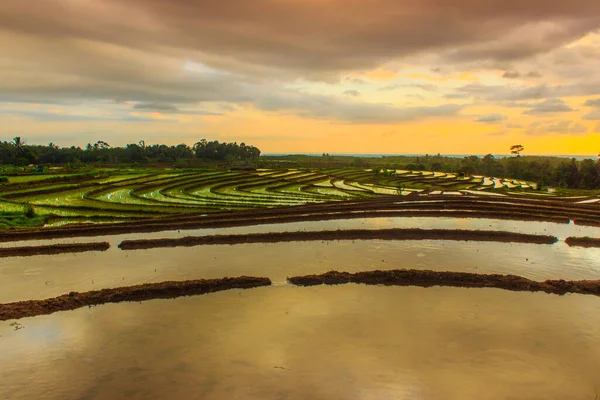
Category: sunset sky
[292,76]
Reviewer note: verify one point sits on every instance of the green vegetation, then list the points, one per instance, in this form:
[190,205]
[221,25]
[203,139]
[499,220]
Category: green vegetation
[544,171]
[18,153]
[105,184]
[27,217]
[115,195]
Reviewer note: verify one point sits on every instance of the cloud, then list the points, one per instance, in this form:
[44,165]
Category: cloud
[168,109]
[423,86]
[525,40]
[350,111]
[514,74]
[592,116]
[357,81]
[388,88]
[452,96]
[562,127]
[504,93]
[352,93]
[428,87]
[492,118]
[46,116]
[514,126]
[172,57]
[511,74]
[512,93]
[549,106]
[592,103]
[301,37]
[534,74]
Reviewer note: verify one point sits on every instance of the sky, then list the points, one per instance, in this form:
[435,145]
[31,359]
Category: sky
[305,76]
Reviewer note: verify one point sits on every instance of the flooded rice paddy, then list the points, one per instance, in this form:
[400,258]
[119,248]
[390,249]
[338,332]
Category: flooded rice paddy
[285,342]
[341,342]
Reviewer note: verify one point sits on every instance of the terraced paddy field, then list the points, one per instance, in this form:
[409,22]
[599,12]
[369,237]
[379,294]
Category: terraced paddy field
[397,286]
[123,196]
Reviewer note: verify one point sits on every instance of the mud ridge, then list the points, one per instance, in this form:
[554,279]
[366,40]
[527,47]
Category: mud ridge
[148,291]
[428,278]
[53,249]
[350,234]
[582,242]
[587,222]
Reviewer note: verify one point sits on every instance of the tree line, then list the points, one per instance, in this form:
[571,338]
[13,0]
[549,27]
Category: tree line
[545,171]
[18,152]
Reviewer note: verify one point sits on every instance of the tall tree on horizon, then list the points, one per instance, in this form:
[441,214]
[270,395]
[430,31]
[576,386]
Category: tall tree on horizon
[516,149]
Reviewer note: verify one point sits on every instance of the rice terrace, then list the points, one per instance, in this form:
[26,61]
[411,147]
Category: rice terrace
[76,238]
[299,200]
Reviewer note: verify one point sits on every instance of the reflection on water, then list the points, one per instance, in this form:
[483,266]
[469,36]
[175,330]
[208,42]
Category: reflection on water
[283,342]
[562,231]
[340,342]
[47,276]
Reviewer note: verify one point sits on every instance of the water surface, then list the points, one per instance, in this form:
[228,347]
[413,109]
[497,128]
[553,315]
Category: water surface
[340,342]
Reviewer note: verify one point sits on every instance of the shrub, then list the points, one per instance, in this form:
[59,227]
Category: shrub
[3,179]
[29,211]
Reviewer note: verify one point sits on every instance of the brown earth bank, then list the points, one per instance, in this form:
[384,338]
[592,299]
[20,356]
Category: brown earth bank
[582,242]
[428,278]
[53,249]
[511,208]
[586,222]
[350,234]
[148,291]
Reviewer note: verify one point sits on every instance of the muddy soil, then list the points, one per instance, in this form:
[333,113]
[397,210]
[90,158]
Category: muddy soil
[351,234]
[148,291]
[53,249]
[428,278]
[587,222]
[393,206]
[582,242]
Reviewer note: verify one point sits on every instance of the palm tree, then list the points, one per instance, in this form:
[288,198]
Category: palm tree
[18,142]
